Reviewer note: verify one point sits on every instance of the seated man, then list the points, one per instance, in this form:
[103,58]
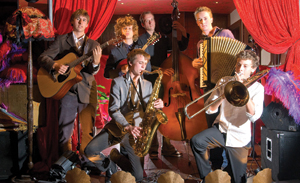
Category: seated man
[128,96]
[234,131]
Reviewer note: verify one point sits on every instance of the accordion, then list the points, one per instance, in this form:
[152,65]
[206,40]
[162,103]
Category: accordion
[219,58]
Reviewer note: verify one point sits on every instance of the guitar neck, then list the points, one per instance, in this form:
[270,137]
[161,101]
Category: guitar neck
[104,45]
[88,55]
[145,46]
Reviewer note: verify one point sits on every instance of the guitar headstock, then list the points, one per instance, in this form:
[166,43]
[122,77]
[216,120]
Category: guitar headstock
[175,13]
[153,39]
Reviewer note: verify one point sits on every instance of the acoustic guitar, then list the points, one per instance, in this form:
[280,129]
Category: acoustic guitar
[57,85]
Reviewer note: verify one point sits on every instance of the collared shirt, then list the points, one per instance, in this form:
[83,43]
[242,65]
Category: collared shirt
[235,121]
[117,54]
[80,40]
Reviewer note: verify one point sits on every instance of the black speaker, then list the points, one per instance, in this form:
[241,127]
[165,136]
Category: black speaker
[280,151]
[276,117]
[12,153]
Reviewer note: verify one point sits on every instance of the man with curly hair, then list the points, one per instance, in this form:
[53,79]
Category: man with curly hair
[233,132]
[116,65]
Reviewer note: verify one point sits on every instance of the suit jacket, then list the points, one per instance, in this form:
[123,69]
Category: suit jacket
[119,108]
[63,45]
[159,50]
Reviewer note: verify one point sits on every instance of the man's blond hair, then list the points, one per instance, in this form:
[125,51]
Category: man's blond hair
[203,8]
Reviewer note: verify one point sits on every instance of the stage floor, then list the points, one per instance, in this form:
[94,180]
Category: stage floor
[185,165]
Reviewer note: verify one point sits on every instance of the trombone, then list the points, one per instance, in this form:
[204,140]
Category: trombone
[235,92]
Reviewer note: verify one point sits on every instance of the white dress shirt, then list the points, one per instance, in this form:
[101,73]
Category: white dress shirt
[235,121]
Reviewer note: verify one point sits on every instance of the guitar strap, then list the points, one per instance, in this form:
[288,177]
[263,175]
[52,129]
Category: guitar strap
[218,32]
[139,94]
[213,32]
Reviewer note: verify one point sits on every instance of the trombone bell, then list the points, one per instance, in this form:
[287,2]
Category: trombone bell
[236,93]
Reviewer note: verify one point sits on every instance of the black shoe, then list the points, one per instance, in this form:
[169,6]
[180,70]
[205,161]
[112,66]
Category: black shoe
[173,154]
[90,168]
[110,171]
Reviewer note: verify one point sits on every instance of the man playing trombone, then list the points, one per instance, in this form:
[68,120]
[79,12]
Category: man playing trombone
[232,128]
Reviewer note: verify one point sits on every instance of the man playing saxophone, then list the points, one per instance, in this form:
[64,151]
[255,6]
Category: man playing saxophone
[234,130]
[129,95]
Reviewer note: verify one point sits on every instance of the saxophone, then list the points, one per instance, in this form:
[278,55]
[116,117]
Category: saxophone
[151,120]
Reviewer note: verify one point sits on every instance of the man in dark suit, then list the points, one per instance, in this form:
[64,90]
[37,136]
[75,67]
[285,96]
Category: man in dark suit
[158,53]
[129,95]
[82,93]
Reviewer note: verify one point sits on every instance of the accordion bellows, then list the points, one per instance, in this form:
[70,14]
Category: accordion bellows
[219,57]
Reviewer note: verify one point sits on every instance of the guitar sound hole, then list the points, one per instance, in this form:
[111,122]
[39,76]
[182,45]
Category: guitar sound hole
[63,77]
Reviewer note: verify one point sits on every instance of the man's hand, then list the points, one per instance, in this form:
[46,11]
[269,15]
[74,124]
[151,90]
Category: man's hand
[197,63]
[134,130]
[61,69]
[176,25]
[97,53]
[158,104]
[169,71]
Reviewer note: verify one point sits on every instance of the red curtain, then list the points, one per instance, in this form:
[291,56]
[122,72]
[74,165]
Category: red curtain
[100,12]
[274,25]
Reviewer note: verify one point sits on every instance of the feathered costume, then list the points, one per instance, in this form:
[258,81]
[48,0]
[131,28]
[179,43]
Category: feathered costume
[285,86]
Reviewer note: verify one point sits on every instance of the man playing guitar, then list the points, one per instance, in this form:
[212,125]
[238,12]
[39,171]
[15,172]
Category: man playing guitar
[82,95]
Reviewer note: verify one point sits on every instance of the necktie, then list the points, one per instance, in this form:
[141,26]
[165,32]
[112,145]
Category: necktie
[133,96]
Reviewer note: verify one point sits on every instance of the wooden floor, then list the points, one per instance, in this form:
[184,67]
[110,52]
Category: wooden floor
[185,165]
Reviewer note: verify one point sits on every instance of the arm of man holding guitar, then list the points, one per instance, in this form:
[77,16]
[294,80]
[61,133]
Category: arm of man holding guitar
[46,60]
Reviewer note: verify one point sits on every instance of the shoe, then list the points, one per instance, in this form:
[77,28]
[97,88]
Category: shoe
[153,155]
[115,155]
[110,171]
[203,181]
[90,169]
[174,154]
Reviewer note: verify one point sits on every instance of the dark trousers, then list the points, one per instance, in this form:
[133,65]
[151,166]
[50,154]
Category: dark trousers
[215,158]
[213,138]
[69,107]
[132,163]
